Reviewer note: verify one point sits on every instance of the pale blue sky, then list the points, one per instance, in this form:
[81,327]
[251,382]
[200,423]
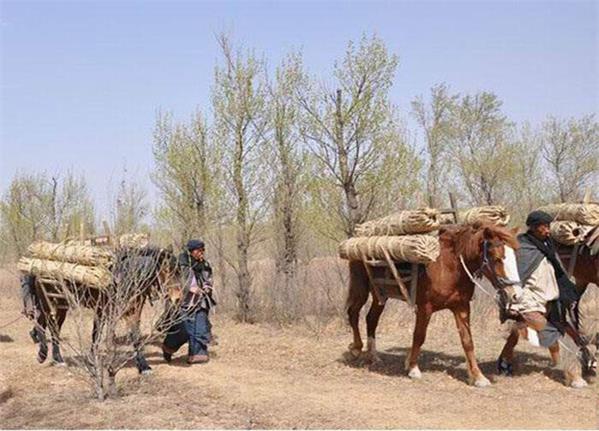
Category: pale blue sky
[81,81]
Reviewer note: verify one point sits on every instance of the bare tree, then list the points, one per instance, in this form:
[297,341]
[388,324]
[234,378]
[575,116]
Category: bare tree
[434,119]
[241,120]
[571,151]
[122,326]
[353,132]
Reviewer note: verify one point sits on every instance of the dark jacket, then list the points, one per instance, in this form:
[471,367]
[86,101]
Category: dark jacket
[529,256]
[202,271]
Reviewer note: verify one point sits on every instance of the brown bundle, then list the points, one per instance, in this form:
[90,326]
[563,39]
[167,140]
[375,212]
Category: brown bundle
[408,248]
[401,223]
[71,252]
[92,276]
[495,214]
[585,214]
[569,232]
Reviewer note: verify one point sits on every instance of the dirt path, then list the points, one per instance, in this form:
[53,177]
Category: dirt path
[265,377]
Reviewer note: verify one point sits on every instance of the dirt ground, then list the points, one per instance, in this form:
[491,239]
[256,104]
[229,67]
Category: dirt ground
[261,376]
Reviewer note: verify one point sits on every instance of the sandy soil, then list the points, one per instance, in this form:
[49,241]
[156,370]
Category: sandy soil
[262,376]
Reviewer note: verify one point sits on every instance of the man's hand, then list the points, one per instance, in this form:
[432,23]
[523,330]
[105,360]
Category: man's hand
[194,290]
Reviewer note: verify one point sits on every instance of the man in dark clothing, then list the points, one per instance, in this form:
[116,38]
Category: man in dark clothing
[195,327]
[544,279]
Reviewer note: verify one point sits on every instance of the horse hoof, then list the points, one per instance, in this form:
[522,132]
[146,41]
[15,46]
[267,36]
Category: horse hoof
[59,364]
[42,354]
[578,383]
[147,372]
[415,374]
[355,352]
[504,368]
[482,382]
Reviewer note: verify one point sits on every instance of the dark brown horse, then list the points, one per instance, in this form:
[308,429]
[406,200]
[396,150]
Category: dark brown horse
[586,271]
[444,284]
[139,272]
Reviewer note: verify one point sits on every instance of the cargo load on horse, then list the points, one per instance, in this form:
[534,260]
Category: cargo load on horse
[493,214]
[403,242]
[96,275]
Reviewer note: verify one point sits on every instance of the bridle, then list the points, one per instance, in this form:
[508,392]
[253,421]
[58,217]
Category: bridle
[505,288]
[499,282]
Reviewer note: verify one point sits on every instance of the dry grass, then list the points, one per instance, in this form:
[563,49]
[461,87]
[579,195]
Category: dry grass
[266,376]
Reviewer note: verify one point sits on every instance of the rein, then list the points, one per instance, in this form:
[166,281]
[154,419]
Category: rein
[476,283]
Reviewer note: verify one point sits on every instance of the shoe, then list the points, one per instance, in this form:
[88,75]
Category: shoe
[167,353]
[504,368]
[197,359]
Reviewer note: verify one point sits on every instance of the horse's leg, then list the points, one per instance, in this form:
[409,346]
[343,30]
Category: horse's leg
[423,317]
[55,333]
[506,357]
[462,319]
[357,297]
[554,352]
[40,329]
[134,321]
[372,321]
[96,332]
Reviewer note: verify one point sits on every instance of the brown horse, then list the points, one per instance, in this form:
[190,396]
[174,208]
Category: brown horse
[138,272]
[445,284]
[586,271]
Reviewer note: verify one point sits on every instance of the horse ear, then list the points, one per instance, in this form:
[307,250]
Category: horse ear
[515,230]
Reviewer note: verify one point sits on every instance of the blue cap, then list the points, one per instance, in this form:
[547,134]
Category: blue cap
[194,244]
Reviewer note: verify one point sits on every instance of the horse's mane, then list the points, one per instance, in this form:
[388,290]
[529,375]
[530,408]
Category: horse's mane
[466,239]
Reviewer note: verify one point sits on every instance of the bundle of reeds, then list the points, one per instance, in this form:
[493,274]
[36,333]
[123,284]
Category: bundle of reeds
[418,221]
[92,276]
[569,232]
[493,214]
[71,252]
[584,214]
[406,248]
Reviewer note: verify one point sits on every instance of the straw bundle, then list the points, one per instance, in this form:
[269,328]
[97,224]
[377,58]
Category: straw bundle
[134,240]
[586,214]
[422,220]
[569,232]
[495,214]
[408,248]
[92,276]
[71,252]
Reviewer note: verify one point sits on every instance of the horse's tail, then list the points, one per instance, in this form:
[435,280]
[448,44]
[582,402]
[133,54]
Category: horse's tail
[358,285]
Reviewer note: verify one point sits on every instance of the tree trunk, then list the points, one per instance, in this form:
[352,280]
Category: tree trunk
[354,215]
[243,236]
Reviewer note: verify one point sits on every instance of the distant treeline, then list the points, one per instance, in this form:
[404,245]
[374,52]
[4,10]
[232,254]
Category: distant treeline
[287,163]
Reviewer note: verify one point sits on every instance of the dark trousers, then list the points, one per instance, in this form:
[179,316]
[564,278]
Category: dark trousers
[195,329]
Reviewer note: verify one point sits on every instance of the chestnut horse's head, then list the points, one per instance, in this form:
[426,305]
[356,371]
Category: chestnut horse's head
[490,251]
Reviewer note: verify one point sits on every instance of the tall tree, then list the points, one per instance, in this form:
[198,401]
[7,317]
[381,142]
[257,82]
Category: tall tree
[353,132]
[241,121]
[289,184]
[481,147]
[183,173]
[571,151]
[433,117]
[131,207]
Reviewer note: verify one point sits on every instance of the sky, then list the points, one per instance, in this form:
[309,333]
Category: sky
[82,81]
